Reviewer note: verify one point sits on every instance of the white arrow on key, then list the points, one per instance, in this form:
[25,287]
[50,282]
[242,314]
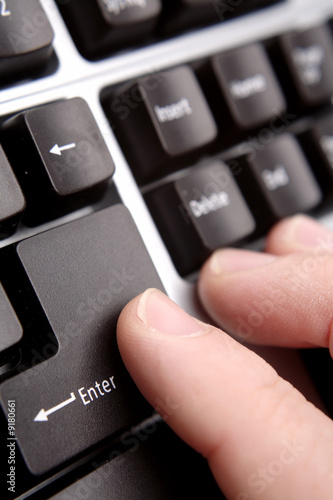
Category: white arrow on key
[42,416]
[57,150]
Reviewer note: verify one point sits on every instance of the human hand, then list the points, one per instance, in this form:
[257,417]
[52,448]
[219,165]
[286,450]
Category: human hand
[225,401]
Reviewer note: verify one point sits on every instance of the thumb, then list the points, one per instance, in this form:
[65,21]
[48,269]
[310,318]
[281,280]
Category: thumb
[258,433]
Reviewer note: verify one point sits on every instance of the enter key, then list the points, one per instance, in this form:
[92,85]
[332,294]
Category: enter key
[83,274]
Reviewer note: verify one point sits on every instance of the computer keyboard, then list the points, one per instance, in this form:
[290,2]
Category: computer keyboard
[136,137]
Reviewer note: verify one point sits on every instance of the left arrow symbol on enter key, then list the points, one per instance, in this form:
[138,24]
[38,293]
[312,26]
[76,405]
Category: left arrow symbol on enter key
[57,150]
[42,416]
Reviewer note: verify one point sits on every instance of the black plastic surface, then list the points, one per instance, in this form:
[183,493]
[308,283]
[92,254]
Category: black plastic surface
[69,164]
[10,327]
[83,274]
[12,202]
[199,213]
[285,177]
[26,38]
[164,120]
[249,86]
[156,465]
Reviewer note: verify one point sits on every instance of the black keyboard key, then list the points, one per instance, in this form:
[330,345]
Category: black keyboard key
[10,327]
[126,13]
[12,202]
[69,164]
[249,86]
[184,14]
[199,213]
[83,274]
[25,38]
[308,56]
[227,9]
[162,121]
[285,179]
[156,465]
[100,27]
[317,142]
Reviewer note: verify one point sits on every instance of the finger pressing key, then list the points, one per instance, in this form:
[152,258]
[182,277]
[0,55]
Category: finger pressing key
[284,300]
[258,433]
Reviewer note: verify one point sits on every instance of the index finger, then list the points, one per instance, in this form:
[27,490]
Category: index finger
[285,300]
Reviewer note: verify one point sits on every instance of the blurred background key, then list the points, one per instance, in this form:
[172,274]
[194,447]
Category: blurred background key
[12,202]
[249,86]
[26,39]
[10,327]
[317,142]
[305,63]
[100,27]
[185,14]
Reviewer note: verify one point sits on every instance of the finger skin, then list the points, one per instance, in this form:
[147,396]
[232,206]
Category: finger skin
[299,234]
[263,298]
[286,301]
[261,437]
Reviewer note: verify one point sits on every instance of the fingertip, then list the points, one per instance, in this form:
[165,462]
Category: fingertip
[208,386]
[146,324]
[158,313]
[218,276]
[299,233]
[229,260]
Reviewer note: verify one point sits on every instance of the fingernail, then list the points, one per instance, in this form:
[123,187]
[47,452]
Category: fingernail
[158,312]
[231,261]
[304,230]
